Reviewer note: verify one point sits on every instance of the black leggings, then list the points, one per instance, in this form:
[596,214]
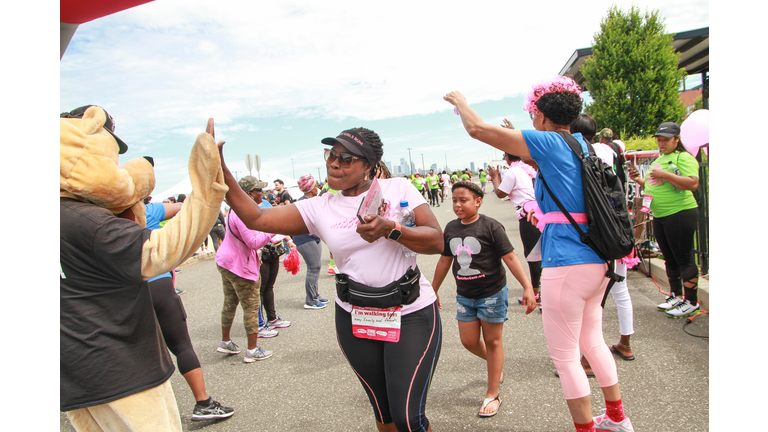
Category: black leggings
[268,275]
[530,235]
[675,234]
[396,376]
[173,323]
[433,195]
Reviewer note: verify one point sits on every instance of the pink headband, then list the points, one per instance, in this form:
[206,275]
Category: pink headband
[557,84]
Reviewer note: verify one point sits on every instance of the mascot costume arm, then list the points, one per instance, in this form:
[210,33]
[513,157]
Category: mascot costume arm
[178,239]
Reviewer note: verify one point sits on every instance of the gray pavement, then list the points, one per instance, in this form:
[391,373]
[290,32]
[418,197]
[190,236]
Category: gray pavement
[308,386]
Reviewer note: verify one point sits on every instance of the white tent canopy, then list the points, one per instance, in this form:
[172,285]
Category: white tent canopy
[182,187]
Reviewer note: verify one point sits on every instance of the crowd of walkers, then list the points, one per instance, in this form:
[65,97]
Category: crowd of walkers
[395,357]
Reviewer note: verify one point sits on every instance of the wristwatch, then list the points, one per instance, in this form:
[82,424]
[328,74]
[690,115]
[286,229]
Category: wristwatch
[395,234]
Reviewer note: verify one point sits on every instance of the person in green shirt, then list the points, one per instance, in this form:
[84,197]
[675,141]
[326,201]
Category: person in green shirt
[483,179]
[669,185]
[418,181]
[434,185]
[454,178]
[465,176]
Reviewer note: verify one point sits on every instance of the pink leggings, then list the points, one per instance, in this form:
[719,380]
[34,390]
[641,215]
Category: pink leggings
[573,322]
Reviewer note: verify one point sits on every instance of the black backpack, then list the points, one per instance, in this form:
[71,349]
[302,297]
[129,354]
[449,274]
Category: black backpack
[610,232]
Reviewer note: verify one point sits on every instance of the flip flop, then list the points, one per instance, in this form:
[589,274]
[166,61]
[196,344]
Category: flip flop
[618,353]
[487,401]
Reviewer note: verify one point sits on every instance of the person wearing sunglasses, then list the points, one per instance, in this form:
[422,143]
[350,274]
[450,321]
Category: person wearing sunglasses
[395,373]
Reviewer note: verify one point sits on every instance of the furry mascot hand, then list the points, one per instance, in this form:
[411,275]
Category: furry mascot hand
[184,233]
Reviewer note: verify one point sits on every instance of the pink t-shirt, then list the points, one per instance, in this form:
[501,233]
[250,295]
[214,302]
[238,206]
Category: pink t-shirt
[518,185]
[334,219]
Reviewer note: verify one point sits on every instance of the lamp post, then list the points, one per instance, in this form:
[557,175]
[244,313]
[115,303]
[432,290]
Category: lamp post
[294,170]
[410,163]
[423,168]
[318,173]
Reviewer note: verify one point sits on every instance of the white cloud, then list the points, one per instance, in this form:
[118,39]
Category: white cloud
[165,67]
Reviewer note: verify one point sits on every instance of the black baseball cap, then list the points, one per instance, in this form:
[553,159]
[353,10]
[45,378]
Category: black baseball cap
[668,129]
[355,144]
[109,125]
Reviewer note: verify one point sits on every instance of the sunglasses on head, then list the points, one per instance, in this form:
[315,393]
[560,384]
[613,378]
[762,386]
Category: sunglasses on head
[345,159]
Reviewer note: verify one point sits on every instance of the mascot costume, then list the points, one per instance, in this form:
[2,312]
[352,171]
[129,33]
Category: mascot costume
[114,364]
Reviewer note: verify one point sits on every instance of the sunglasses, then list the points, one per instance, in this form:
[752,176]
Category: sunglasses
[345,159]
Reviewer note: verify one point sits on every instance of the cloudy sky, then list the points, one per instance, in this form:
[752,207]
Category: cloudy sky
[279,76]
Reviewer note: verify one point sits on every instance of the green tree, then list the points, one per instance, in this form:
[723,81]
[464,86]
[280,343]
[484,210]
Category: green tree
[633,75]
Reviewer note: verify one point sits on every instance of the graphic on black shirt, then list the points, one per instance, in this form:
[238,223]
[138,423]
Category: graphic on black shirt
[463,251]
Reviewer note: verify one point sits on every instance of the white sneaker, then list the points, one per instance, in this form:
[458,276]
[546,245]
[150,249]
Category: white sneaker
[670,303]
[604,423]
[267,332]
[683,310]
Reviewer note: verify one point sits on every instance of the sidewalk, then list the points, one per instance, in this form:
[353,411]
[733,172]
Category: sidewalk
[659,272]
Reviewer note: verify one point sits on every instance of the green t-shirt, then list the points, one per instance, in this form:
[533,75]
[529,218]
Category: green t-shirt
[418,182]
[464,177]
[667,200]
[433,181]
[455,178]
[482,177]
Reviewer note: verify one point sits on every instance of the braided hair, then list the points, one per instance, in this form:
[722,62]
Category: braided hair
[373,139]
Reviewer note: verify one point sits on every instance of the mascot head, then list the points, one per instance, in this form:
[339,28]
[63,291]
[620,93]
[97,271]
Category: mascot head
[89,171]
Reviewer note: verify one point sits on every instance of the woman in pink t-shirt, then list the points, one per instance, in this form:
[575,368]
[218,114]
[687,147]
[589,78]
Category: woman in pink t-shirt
[406,344]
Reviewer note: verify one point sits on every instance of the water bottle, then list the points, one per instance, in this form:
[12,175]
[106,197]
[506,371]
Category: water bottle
[405,217]
[673,169]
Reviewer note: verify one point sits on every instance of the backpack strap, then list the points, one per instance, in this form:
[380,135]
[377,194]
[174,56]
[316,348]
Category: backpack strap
[576,148]
[230,230]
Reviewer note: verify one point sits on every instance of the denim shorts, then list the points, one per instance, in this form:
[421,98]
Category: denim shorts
[491,309]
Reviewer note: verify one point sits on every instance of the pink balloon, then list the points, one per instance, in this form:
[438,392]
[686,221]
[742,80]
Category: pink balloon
[695,131]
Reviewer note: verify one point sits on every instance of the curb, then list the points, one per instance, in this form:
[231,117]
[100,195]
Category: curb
[201,256]
[659,272]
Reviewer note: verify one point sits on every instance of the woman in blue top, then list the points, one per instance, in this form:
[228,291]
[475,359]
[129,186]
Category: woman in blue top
[573,276]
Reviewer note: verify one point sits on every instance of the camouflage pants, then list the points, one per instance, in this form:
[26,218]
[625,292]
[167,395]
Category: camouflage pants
[238,290]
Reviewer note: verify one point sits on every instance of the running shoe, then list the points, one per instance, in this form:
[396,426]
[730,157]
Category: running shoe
[319,305]
[213,411]
[228,348]
[259,354]
[670,303]
[684,309]
[322,300]
[180,291]
[279,323]
[604,423]
[267,332]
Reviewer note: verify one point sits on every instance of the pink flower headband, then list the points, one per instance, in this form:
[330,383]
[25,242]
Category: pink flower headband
[557,84]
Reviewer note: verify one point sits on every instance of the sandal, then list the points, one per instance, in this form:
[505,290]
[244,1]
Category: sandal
[487,401]
[618,353]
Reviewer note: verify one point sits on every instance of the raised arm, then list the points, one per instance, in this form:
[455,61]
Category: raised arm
[279,220]
[502,138]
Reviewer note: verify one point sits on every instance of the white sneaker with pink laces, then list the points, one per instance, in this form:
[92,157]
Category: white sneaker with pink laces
[604,423]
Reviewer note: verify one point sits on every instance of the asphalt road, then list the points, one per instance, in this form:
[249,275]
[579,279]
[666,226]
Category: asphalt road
[308,386]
